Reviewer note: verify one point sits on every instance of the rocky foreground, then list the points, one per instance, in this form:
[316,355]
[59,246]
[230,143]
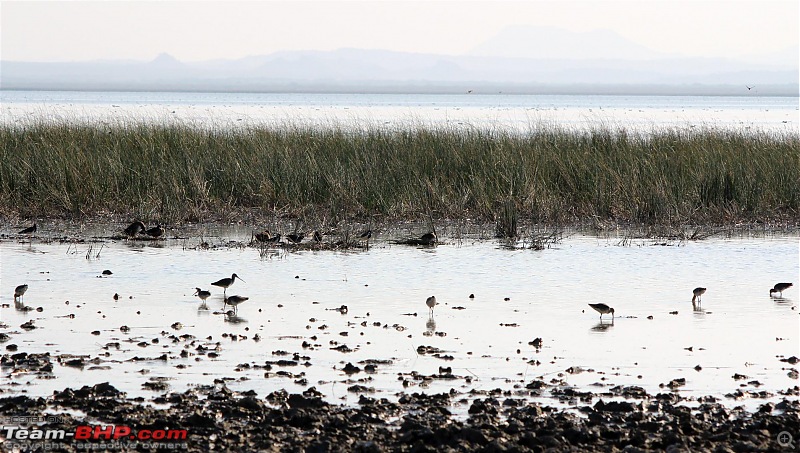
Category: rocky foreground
[216,418]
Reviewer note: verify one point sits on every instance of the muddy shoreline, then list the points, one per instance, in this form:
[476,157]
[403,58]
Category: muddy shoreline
[110,227]
[540,414]
[219,419]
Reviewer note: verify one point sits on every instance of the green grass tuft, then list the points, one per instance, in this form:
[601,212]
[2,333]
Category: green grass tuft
[178,172]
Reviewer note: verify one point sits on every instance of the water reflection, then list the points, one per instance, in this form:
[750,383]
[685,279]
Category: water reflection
[430,325]
[233,318]
[602,326]
[781,300]
[161,280]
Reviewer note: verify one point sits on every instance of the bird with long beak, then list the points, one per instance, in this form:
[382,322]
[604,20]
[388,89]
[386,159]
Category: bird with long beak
[225,283]
[234,301]
[19,291]
[603,309]
[696,293]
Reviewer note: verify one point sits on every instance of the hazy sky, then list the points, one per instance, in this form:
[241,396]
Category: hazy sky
[201,30]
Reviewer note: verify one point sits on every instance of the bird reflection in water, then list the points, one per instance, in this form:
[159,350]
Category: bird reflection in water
[602,326]
[430,324]
[233,318]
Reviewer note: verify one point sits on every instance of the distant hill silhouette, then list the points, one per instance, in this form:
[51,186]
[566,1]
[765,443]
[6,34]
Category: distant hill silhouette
[518,60]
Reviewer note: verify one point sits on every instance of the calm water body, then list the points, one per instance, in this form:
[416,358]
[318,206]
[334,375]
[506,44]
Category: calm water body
[739,329]
[507,112]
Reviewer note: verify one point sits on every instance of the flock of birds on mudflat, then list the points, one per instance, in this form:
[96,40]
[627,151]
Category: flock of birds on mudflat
[234,301]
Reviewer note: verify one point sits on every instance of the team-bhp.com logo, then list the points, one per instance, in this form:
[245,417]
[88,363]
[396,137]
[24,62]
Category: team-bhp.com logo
[104,436]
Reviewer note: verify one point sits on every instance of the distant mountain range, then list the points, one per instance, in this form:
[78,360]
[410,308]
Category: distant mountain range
[519,60]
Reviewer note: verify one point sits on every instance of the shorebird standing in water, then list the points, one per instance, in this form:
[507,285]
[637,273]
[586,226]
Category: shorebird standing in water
[234,301]
[697,293]
[202,294]
[431,302]
[780,288]
[266,236]
[134,228]
[19,291]
[603,309]
[364,237]
[226,282]
[30,230]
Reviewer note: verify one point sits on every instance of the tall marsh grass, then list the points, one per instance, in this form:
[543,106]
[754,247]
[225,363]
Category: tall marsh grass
[179,172]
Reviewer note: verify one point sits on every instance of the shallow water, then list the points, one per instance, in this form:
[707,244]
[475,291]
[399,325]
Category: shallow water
[498,111]
[739,328]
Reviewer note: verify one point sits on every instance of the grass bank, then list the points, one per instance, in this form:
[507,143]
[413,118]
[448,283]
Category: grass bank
[178,172]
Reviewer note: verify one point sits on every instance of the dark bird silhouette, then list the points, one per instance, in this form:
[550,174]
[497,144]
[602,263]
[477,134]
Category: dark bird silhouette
[603,309]
[202,294]
[364,236]
[431,302]
[750,88]
[19,291]
[134,228]
[780,288]
[155,232]
[234,301]
[295,238]
[696,293]
[428,239]
[266,236]
[226,282]
[30,230]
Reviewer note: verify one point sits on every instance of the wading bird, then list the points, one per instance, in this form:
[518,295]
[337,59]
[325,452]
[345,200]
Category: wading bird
[263,236]
[30,230]
[134,228]
[295,238]
[780,288]
[19,291]
[226,282]
[364,236]
[603,309]
[697,293]
[202,294]
[234,301]
[431,302]
[155,232]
